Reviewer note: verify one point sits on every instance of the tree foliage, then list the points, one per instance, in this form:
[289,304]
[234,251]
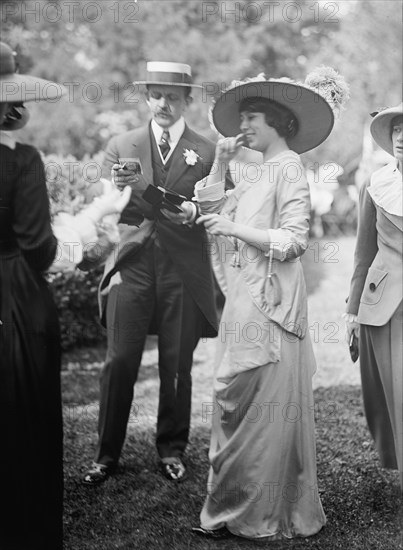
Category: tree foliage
[98,48]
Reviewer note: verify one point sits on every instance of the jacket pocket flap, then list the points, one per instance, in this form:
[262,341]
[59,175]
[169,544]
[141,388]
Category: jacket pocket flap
[375,277]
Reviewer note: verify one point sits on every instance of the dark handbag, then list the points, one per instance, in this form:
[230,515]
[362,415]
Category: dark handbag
[353,347]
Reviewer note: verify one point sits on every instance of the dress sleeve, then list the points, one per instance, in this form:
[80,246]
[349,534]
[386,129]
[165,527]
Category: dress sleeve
[210,198]
[31,212]
[366,249]
[290,239]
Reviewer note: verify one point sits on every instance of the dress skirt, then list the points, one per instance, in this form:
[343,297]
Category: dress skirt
[382,385]
[30,410]
[262,481]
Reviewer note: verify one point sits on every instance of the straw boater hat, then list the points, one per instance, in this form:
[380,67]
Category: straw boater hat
[166,73]
[312,103]
[20,88]
[380,127]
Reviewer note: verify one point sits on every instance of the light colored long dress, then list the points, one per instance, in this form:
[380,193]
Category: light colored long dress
[262,480]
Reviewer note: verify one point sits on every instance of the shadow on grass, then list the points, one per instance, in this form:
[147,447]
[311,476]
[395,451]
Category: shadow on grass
[139,509]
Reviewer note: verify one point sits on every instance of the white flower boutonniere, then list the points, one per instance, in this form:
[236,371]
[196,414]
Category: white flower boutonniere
[190,156]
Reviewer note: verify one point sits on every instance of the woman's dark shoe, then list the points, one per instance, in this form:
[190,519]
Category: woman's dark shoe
[221,533]
[173,469]
[97,474]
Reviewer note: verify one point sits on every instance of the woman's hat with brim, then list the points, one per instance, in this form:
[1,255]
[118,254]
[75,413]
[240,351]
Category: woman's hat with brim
[381,127]
[164,73]
[19,88]
[314,114]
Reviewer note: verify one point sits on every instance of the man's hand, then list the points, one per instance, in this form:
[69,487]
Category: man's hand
[123,177]
[188,214]
[137,207]
[217,224]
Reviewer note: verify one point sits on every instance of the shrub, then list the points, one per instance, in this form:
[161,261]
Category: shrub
[75,293]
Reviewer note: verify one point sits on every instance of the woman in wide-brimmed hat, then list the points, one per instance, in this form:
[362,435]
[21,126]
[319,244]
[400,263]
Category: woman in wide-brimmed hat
[30,399]
[374,310]
[262,481]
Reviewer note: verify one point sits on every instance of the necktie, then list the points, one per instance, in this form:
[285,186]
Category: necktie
[164,144]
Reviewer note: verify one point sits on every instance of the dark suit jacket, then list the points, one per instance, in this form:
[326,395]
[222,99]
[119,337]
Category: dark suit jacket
[187,246]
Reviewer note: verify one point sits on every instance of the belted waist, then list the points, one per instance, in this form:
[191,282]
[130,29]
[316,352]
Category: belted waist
[9,249]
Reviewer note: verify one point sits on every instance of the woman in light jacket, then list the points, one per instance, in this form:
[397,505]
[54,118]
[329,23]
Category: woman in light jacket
[262,481]
[374,310]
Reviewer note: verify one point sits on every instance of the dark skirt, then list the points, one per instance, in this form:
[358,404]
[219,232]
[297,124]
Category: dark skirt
[31,454]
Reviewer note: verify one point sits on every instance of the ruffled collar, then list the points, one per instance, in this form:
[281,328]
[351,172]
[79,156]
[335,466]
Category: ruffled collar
[7,139]
[386,189]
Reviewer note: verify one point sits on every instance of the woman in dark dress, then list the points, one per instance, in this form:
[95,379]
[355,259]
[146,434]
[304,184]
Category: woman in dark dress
[30,401]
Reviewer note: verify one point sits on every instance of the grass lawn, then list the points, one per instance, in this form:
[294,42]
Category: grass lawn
[139,509]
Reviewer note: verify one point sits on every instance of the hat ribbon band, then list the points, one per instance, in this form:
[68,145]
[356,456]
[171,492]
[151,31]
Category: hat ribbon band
[175,78]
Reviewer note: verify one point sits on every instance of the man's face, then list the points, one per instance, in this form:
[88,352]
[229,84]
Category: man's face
[167,103]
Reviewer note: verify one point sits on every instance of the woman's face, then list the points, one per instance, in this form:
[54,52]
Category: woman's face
[397,139]
[258,133]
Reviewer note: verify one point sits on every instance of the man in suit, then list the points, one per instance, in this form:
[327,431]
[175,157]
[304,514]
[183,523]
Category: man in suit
[159,280]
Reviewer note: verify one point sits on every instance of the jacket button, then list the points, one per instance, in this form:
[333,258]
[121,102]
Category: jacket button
[372,287]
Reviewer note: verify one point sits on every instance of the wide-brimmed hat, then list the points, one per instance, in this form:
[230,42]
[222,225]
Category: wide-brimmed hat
[166,73]
[381,127]
[20,88]
[312,105]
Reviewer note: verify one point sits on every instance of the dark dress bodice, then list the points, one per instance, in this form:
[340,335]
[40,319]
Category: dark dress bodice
[24,207]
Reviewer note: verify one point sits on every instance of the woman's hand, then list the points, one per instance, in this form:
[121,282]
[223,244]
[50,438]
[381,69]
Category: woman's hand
[227,148]
[352,326]
[217,224]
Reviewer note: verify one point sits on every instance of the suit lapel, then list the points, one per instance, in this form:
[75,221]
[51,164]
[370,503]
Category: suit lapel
[142,150]
[178,165]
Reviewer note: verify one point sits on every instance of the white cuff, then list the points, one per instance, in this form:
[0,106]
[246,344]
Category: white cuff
[213,192]
[193,215]
[280,244]
[349,317]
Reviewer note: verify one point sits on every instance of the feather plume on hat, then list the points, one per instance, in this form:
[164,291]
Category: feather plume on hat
[315,103]
[331,85]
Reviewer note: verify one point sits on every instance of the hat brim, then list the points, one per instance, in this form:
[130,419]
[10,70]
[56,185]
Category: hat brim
[315,116]
[145,83]
[19,88]
[381,130]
